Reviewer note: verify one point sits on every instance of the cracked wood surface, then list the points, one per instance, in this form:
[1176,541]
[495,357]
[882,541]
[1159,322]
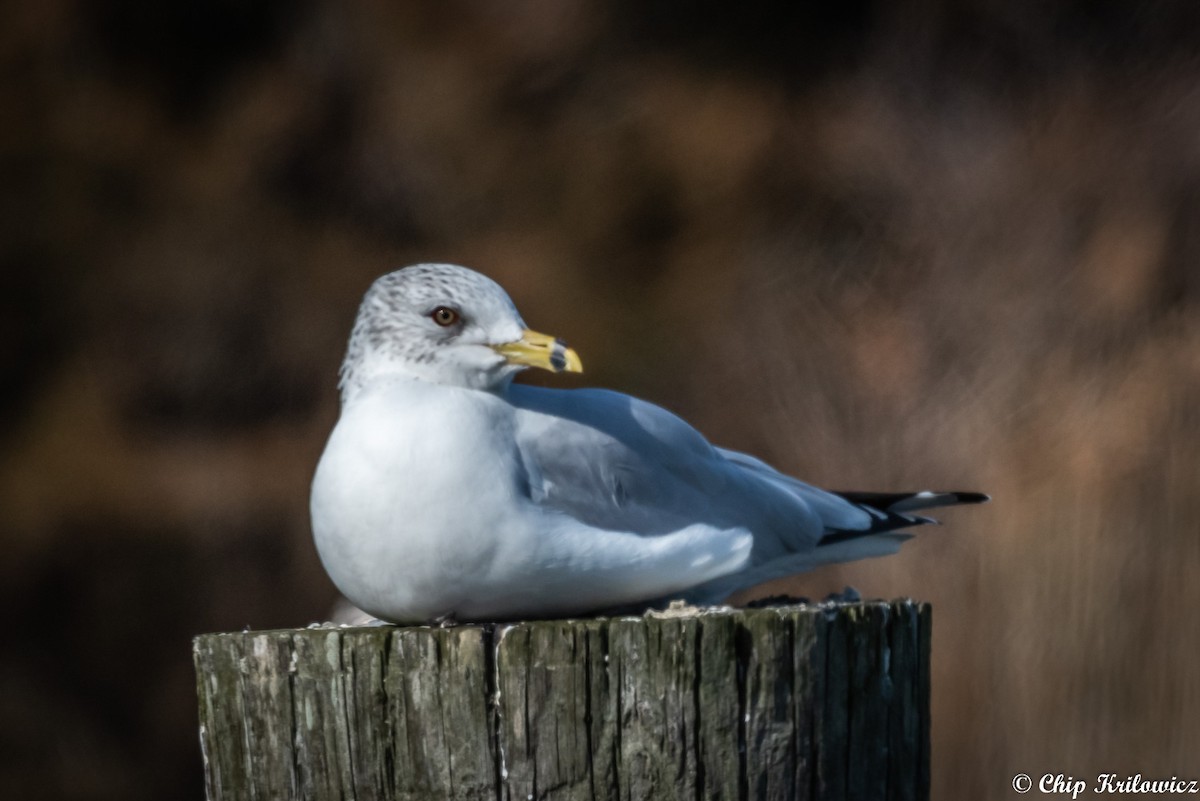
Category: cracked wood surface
[793,702]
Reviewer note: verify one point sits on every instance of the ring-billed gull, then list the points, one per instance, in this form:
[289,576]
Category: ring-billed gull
[448,492]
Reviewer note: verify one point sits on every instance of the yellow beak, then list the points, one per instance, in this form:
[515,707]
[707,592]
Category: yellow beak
[539,350]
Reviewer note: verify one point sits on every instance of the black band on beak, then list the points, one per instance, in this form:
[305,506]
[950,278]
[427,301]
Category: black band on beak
[558,356]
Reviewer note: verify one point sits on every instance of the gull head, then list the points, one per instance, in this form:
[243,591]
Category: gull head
[447,325]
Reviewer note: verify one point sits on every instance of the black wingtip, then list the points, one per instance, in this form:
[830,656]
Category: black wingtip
[900,502]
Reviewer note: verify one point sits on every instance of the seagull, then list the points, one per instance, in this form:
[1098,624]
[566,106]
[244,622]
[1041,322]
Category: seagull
[446,492]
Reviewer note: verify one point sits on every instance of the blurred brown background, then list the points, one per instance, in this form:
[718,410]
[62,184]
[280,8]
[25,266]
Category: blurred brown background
[884,246]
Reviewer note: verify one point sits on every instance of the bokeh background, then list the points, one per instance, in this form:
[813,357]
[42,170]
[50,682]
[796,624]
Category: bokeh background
[882,245]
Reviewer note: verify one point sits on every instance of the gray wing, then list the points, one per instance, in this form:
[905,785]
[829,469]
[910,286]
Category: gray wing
[620,463]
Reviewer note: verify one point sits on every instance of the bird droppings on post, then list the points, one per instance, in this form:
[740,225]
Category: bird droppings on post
[677,609]
[788,702]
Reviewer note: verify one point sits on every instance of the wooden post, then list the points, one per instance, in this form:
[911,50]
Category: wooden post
[795,702]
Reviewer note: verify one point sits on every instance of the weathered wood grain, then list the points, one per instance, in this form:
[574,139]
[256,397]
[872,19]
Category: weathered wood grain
[781,704]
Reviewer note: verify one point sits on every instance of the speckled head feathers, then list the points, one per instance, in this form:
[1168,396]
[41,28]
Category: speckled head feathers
[434,322]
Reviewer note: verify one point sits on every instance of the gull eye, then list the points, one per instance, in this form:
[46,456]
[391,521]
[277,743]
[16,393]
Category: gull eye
[444,316]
